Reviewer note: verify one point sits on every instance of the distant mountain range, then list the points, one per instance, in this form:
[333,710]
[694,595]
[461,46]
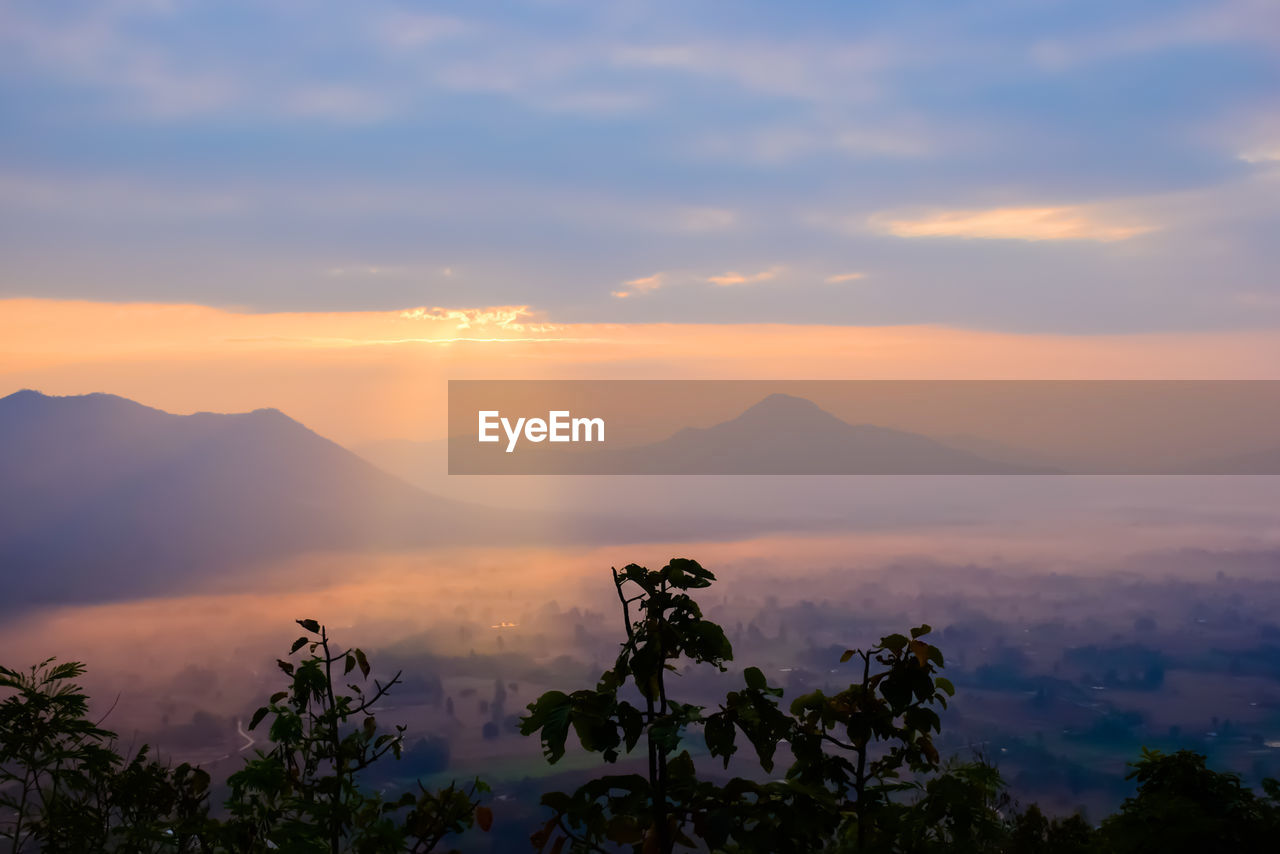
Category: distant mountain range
[102,498]
[100,495]
[787,435]
[781,434]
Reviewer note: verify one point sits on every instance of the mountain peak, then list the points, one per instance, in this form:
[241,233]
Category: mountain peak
[786,406]
[151,498]
[24,394]
[29,399]
[785,434]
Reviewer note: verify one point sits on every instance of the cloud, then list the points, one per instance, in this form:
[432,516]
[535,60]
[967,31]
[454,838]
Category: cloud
[506,317]
[404,30]
[648,284]
[734,278]
[813,70]
[1016,223]
[643,285]
[94,49]
[1262,154]
[844,277]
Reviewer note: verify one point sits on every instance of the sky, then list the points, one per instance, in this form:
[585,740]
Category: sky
[1014,167]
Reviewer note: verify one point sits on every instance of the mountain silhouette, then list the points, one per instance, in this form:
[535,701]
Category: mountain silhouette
[102,496]
[783,434]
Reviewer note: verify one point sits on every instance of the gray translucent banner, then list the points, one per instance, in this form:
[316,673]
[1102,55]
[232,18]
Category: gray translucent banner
[647,427]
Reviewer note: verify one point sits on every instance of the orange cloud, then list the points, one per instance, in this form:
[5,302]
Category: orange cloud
[844,277]
[1019,223]
[508,317]
[641,286]
[733,278]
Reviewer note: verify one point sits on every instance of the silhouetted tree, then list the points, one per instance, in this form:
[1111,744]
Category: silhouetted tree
[1183,806]
[847,748]
[304,794]
[65,788]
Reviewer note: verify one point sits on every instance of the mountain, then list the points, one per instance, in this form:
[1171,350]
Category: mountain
[424,464]
[783,434]
[101,496]
[1001,452]
[104,498]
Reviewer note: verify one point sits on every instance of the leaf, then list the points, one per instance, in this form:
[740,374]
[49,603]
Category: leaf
[484,818]
[688,574]
[755,679]
[550,714]
[349,665]
[632,724]
[719,733]
[310,625]
[257,717]
[539,837]
[298,644]
[362,661]
[894,642]
[848,654]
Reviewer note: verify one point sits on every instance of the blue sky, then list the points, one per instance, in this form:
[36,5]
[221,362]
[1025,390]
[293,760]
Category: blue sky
[1025,166]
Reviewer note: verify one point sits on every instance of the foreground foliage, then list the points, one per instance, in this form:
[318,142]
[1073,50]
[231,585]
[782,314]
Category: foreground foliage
[854,770]
[65,788]
[847,749]
[862,773]
[304,794]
